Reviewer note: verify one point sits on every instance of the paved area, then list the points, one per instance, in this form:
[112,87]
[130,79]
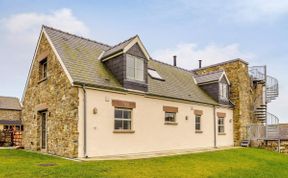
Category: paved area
[155,154]
[8,148]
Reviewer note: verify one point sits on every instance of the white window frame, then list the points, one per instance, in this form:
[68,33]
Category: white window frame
[123,119]
[154,74]
[198,123]
[221,125]
[174,113]
[223,91]
[135,69]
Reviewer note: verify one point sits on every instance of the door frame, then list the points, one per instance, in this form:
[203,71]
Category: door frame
[43,114]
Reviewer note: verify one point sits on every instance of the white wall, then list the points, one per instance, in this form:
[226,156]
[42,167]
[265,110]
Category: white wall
[151,134]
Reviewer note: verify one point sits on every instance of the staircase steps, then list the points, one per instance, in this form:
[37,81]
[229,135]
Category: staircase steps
[260,112]
[259,75]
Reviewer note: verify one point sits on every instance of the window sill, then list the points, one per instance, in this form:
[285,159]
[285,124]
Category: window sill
[221,133]
[143,82]
[198,131]
[42,80]
[224,99]
[124,131]
[171,123]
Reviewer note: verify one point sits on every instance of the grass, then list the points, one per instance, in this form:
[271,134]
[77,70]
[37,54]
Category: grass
[227,163]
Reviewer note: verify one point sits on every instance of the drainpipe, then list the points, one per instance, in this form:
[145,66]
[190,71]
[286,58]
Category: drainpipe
[215,126]
[84,123]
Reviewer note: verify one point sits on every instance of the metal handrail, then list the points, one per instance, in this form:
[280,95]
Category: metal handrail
[257,73]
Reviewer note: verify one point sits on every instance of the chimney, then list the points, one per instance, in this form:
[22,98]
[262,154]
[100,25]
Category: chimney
[174,60]
[200,63]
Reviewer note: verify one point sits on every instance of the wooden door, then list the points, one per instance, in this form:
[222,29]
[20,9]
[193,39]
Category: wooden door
[43,130]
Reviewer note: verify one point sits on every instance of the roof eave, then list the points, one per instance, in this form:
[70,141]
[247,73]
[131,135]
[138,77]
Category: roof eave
[112,55]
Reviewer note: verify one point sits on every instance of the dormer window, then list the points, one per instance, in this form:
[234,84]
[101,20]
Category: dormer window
[135,68]
[223,91]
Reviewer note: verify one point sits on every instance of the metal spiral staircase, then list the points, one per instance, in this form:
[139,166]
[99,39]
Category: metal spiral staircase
[271,92]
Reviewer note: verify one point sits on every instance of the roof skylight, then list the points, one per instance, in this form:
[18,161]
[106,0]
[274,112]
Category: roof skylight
[154,74]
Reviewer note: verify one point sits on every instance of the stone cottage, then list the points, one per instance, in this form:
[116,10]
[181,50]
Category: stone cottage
[10,113]
[87,99]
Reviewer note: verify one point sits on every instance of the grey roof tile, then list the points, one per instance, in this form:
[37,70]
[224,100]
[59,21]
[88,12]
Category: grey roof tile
[179,83]
[80,57]
[10,122]
[10,103]
[209,77]
[118,47]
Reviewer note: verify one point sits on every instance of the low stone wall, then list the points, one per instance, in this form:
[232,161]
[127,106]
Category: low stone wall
[271,145]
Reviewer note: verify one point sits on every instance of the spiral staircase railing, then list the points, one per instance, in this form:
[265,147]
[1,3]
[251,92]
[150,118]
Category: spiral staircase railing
[270,128]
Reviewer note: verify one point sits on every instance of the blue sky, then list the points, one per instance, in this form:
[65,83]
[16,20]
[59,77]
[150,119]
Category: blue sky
[214,31]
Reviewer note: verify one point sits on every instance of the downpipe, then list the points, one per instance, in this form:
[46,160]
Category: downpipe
[215,126]
[84,122]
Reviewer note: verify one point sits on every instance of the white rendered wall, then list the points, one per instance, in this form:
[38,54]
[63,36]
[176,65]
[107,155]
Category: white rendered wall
[151,134]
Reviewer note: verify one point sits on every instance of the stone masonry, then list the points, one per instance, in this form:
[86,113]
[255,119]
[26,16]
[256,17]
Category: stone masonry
[243,93]
[7,114]
[59,98]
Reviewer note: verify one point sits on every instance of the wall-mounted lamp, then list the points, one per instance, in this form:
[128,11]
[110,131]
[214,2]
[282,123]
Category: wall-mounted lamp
[95,110]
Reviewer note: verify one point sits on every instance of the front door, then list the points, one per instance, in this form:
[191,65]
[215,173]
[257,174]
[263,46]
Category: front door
[43,130]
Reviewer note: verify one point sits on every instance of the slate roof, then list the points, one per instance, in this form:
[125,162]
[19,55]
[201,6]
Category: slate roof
[80,57]
[209,77]
[178,83]
[10,103]
[10,122]
[117,48]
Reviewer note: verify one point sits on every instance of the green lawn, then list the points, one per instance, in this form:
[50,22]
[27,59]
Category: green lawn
[227,163]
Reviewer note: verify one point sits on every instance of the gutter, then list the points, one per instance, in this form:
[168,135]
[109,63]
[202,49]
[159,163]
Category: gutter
[85,122]
[215,126]
[80,84]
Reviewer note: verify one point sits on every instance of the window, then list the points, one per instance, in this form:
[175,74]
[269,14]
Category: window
[170,117]
[221,127]
[43,69]
[223,89]
[122,119]
[135,68]
[154,74]
[198,123]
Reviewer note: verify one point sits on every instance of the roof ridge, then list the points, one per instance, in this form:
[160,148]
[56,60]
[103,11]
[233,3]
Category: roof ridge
[221,63]
[123,42]
[78,36]
[210,73]
[186,70]
[14,97]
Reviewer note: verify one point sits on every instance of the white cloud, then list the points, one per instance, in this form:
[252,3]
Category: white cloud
[253,10]
[62,18]
[238,10]
[19,34]
[25,27]
[188,54]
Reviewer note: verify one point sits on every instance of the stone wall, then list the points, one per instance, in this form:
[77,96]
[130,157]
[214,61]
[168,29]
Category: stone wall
[242,94]
[273,146]
[6,114]
[61,101]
